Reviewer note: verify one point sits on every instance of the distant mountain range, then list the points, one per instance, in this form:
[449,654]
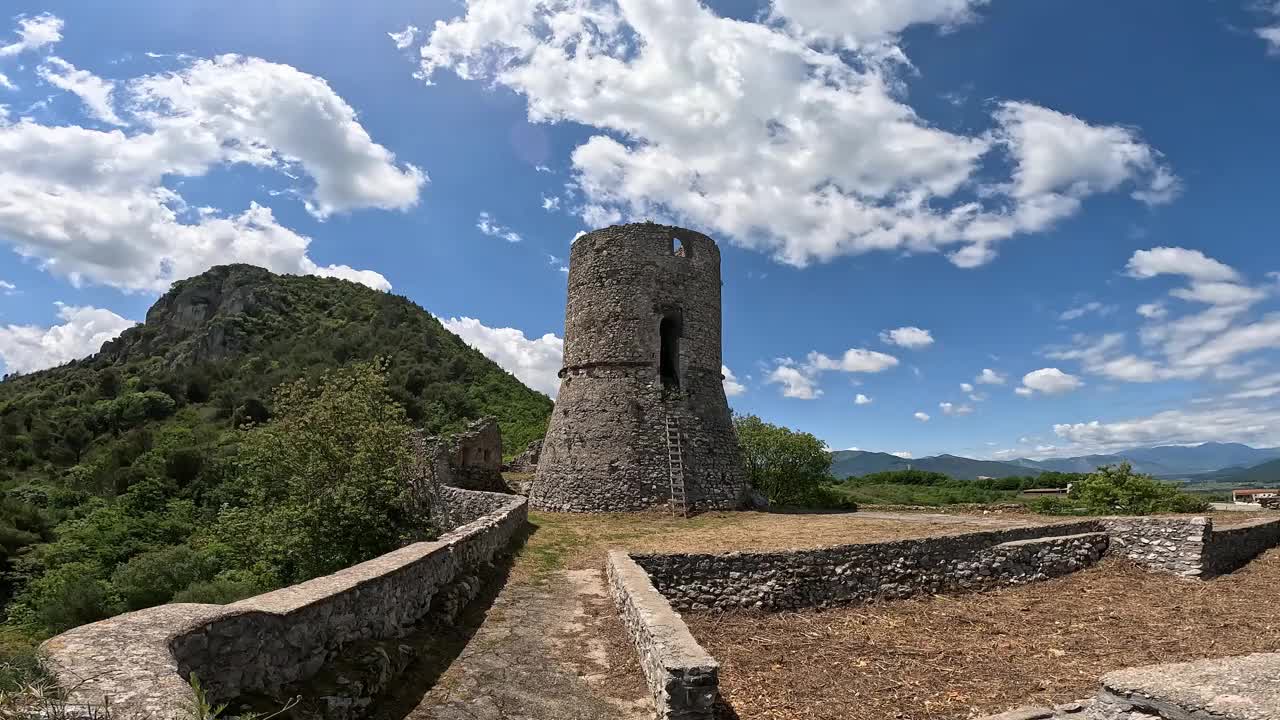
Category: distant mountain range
[1208,462]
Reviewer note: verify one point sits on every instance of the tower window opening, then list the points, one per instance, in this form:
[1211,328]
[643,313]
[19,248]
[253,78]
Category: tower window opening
[669,355]
[679,249]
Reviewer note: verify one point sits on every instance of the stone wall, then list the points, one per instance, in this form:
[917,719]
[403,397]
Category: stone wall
[848,574]
[1229,549]
[606,446]
[475,456]
[683,678]
[1174,545]
[262,644]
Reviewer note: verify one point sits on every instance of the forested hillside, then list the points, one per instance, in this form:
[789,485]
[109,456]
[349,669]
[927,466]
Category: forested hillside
[127,454]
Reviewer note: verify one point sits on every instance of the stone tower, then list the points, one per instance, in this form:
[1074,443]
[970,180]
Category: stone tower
[641,346]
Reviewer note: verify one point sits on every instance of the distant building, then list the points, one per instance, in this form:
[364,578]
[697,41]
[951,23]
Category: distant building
[1254,497]
[1037,492]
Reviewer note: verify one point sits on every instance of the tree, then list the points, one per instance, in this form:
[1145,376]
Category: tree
[1118,489]
[787,466]
[323,481]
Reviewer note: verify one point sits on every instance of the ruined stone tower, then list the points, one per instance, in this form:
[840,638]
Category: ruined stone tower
[641,356]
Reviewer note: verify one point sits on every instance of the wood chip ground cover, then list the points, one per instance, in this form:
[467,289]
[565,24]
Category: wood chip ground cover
[959,656]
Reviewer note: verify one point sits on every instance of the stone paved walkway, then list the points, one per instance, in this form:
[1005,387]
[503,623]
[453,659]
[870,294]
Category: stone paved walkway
[539,655]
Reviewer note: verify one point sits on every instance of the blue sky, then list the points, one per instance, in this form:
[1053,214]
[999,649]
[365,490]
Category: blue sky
[1078,197]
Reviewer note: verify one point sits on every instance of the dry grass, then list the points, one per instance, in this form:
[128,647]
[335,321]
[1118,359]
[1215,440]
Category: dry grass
[957,656]
[566,541]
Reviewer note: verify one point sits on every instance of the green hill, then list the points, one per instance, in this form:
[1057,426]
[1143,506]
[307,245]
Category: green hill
[1265,475]
[132,449]
[848,463]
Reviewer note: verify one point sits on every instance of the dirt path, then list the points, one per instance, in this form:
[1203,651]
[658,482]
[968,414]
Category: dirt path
[541,653]
[549,646]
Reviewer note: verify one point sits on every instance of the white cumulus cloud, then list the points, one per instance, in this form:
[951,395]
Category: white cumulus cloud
[491,227]
[913,338]
[26,348]
[1050,381]
[989,377]
[535,361]
[100,206]
[795,383]
[953,409]
[92,90]
[921,416]
[765,133]
[861,399]
[732,388]
[34,33]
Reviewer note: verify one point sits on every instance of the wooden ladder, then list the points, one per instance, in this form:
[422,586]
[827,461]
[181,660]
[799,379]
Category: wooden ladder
[675,459]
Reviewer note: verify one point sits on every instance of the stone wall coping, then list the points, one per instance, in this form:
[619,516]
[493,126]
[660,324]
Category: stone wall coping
[1087,526]
[677,650]
[1243,687]
[295,598]
[1251,524]
[1052,539]
[130,658]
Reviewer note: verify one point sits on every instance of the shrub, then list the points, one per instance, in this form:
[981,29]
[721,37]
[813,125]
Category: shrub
[322,481]
[226,588]
[154,577]
[789,467]
[67,596]
[1118,489]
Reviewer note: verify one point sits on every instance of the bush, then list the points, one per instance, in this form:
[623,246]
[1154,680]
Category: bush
[154,577]
[789,467]
[1117,489]
[226,588]
[65,597]
[322,481]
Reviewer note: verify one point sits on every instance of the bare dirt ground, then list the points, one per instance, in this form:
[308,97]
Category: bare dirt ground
[549,644]
[956,656]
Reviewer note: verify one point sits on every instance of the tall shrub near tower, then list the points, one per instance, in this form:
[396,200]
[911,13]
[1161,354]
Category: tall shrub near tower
[642,356]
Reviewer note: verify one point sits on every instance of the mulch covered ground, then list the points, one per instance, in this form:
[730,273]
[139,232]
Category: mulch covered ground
[964,655]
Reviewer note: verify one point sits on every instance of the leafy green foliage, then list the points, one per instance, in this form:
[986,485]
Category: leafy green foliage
[789,467]
[323,483]
[113,466]
[1118,490]
[923,487]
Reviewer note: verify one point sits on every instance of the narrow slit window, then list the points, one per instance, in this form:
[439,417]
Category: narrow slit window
[678,248]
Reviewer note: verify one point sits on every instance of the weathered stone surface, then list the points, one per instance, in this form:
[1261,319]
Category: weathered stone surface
[262,644]
[471,460]
[1244,687]
[1232,548]
[683,677]
[851,574]
[475,456]
[606,446]
[1174,545]
[527,461]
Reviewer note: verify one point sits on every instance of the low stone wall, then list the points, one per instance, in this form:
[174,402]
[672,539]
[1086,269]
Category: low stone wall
[1230,549]
[1174,544]
[141,660]
[682,677]
[848,574]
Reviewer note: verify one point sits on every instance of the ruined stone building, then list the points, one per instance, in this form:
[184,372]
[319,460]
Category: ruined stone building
[641,418]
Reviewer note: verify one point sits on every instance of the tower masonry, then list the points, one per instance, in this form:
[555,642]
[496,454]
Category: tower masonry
[641,399]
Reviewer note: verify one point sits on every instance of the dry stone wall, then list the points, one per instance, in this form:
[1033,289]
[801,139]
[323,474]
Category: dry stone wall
[858,573]
[141,660]
[1173,545]
[1229,549]
[683,678]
